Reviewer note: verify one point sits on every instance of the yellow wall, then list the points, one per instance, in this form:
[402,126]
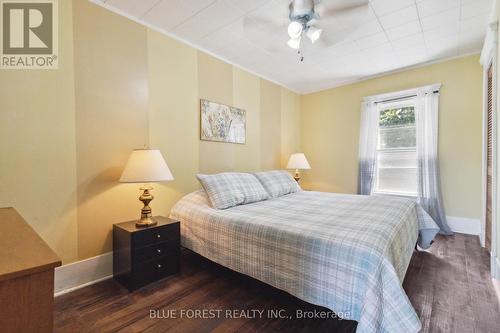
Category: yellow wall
[270,118]
[37,145]
[290,125]
[66,134]
[246,95]
[173,116]
[330,131]
[111,89]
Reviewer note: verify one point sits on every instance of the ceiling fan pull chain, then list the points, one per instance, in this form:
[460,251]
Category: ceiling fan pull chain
[301,57]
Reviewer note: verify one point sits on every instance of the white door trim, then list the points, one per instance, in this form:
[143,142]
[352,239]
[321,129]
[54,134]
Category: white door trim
[489,58]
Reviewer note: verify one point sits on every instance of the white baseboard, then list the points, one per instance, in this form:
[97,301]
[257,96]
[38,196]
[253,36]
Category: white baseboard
[83,273]
[496,285]
[464,225]
[495,267]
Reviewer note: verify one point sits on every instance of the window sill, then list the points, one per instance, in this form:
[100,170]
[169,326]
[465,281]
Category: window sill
[396,194]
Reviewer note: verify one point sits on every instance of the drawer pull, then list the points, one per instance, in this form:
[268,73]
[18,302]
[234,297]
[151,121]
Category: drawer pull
[159,265]
[158,250]
[158,236]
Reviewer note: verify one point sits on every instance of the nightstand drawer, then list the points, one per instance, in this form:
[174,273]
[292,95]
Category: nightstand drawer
[146,253]
[153,270]
[157,235]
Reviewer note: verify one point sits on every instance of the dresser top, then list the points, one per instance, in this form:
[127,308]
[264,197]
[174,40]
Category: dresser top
[129,226]
[22,251]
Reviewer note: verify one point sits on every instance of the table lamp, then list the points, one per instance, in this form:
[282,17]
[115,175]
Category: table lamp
[298,162]
[146,166]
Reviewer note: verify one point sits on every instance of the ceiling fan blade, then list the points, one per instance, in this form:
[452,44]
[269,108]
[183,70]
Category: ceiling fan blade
[338,23]
[347,19]
[253,22]
[330,38]
[265,33]
[325,8]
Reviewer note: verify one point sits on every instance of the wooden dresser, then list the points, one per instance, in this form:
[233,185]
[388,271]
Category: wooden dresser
[26,277]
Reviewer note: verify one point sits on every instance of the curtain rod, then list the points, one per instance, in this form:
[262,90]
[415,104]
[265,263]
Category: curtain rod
[402,98]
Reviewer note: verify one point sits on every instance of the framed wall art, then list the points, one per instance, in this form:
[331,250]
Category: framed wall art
[222,123]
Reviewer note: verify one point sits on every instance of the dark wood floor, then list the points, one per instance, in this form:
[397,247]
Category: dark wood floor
[449,286]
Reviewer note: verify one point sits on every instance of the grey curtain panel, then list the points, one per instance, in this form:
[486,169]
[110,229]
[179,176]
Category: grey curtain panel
[429,184]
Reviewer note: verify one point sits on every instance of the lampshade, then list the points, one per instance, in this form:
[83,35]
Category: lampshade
[298,161]
[146,166]
[314,33]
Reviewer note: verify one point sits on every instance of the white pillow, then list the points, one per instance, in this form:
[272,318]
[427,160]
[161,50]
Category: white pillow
[277,182]
[230,189]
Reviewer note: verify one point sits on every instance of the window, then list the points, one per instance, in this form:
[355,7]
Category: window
[394,127]
[396,160]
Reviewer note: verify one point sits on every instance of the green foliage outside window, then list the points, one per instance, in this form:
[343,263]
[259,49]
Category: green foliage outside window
[397,117]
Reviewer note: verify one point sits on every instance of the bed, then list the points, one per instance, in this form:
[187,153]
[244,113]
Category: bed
[348,253]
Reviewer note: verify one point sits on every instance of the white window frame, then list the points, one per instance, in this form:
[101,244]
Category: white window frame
[381,107]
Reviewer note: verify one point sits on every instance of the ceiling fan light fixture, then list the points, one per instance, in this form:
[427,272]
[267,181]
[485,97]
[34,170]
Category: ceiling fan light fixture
[314,33]
[294,43]
[295,29]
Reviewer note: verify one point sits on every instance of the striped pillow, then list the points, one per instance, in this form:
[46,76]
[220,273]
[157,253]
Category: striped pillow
[230,189]
[277,182]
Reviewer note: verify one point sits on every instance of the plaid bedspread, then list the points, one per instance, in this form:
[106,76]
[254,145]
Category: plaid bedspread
[348,253]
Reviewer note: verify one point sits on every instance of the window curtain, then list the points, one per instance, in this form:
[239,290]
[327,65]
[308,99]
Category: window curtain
[368,147]
[429,188]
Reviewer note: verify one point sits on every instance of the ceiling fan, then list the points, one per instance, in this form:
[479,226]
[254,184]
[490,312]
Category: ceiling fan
[328,21]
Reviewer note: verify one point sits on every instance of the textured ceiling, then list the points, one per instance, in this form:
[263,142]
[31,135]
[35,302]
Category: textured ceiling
[394,34]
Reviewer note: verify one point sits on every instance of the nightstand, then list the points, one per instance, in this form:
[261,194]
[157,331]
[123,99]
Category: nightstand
[144,255]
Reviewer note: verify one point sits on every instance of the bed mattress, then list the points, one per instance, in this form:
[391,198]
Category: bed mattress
[348,253]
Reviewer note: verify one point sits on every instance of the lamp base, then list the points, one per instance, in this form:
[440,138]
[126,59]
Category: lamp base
[145,222]
[297,175]
[146,216]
